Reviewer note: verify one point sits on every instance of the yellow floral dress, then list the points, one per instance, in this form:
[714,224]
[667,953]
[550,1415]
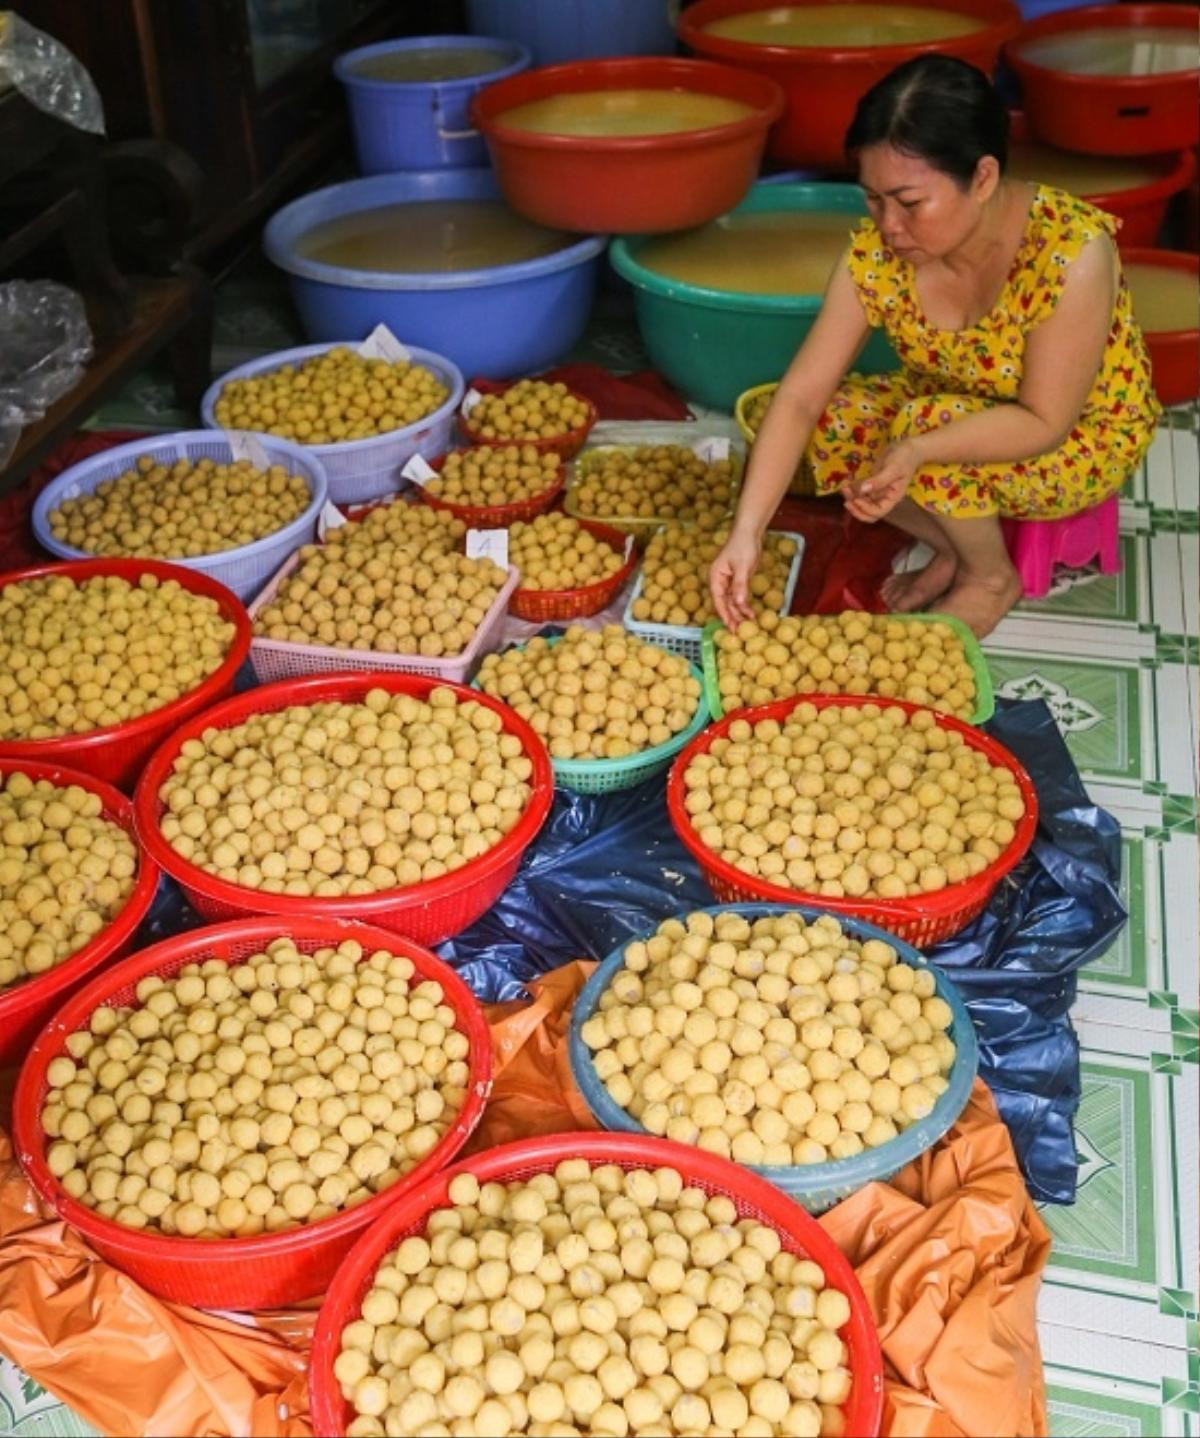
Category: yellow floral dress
[947,374]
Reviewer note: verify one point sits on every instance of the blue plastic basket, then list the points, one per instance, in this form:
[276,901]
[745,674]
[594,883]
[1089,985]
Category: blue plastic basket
[688,639]
[360,469]
[815,1186]
[606,776]
[244,569]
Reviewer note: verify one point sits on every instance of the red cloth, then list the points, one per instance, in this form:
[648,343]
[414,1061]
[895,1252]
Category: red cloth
[641,395]
[845,562]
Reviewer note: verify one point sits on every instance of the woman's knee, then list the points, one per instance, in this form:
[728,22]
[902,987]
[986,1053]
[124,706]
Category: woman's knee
[923,413]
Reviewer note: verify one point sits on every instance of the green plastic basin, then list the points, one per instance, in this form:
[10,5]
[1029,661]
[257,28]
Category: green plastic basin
[713,344]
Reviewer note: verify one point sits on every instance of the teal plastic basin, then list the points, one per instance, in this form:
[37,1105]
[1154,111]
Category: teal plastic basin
[713,344]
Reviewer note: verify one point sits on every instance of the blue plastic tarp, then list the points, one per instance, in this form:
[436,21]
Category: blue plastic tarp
[607,868]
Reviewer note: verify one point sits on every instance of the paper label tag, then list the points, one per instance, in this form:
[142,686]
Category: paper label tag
[331,517]
[715,448]
[244,445]
[470,400]
[382,344]
[419,470]
[488,544]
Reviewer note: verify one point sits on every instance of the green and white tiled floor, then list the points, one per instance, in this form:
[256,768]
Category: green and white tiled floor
[1117,658]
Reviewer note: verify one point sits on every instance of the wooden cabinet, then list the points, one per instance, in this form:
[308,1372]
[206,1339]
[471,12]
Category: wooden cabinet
[244,87]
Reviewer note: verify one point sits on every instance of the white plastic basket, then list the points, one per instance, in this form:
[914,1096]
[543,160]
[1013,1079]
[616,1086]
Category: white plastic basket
[283,659]
[243,569]
[362,469]
[686,639]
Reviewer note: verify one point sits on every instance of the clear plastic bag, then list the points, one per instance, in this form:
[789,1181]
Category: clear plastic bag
[48,75]
[45,341]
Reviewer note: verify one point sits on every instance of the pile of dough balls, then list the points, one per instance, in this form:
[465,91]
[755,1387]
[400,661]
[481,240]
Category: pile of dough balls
[331,397]
[250,1098]
[81,656]
[852,801]
[851,653]
[754,411]
[595,1300]
[595,693]
[392,582]
[554,551]
[347,798]
[774,1042]
[529,409]
[181,510]
[675,575]
[65,871]
[654,481]
[491,475]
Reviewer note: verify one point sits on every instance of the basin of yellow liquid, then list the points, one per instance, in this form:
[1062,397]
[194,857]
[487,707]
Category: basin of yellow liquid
[1080,175]
[430,237]
[779,252]
[1163,299]
[1140,50]
[621,113]
[414,67]
[844,26]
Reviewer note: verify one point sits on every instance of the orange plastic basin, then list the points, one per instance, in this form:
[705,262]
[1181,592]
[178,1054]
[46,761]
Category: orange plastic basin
[1174,354]
[628,184]
[823,83]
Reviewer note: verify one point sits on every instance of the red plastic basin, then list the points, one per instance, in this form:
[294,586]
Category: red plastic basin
[1109,114]
[1140,209]
[629,184]
[823,83]
[1174,354]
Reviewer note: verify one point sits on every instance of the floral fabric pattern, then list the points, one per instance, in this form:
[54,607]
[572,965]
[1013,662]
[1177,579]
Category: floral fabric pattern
[948,374]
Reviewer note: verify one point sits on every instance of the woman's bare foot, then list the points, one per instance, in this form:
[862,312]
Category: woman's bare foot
[982,603]
[908,592]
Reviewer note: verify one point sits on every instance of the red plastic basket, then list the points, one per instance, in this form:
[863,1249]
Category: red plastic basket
[920,920]
[27,1006]
[118,752]
[1174,354]
[753,1197]
[268,1269]
[822,84]
[544,605]
[495,516]
[567,446]
[1108,114]
[428,912]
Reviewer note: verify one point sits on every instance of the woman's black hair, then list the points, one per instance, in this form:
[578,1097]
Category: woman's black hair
[935,107]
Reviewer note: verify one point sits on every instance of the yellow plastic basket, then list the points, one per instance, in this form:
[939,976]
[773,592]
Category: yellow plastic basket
[802,482]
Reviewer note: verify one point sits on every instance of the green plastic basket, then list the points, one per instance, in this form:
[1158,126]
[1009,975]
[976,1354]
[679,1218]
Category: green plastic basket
[985,695]
[606,776]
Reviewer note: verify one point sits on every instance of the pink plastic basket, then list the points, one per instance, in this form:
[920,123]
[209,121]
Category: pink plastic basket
[428,912]
[266,1270]
[754,1198]
[275,659]
[25,1007]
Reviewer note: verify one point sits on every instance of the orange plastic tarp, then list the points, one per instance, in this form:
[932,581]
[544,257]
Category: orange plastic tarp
[949,1254]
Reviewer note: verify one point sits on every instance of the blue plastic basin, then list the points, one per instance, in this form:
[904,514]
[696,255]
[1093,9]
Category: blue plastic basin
[421,124]
[495,322]
[560,30]
[714,344]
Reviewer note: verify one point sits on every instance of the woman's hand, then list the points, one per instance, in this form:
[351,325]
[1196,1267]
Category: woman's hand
[729,577]
[874,497]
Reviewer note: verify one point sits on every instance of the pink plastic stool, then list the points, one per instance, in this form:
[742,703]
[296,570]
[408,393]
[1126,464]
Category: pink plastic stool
[1037,545]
